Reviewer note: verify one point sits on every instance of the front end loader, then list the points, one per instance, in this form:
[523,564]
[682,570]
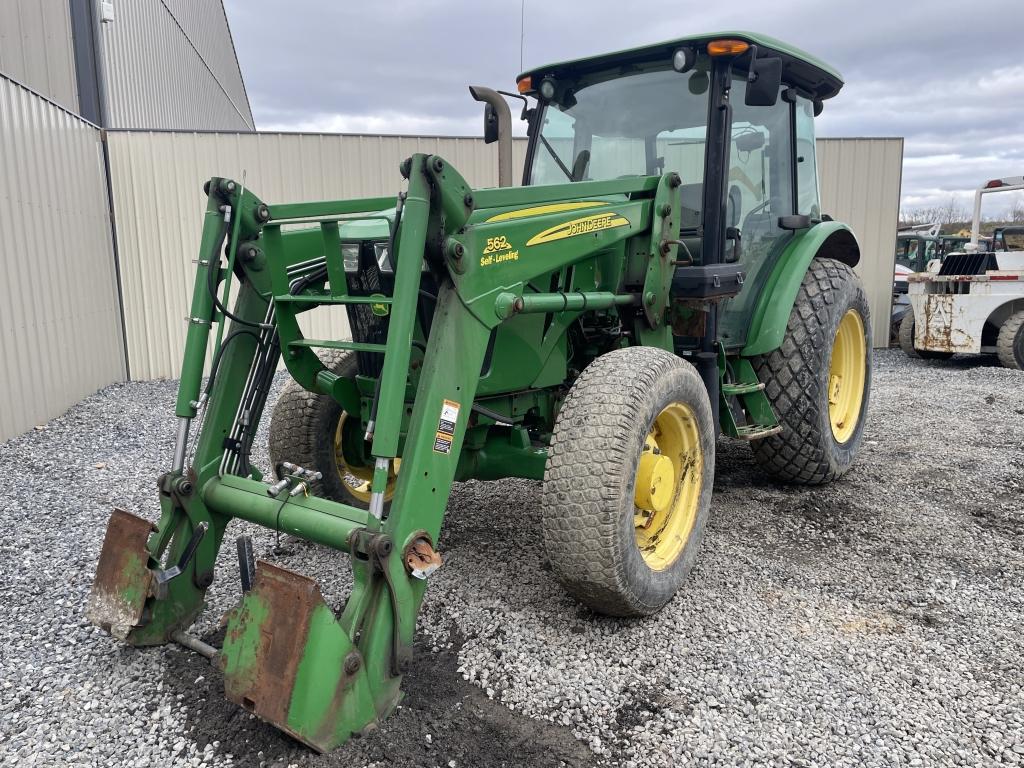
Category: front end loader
[664,274]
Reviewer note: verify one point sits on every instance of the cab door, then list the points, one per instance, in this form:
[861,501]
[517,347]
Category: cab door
[768,160]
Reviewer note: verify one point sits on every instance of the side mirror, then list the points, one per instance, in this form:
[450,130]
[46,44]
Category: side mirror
[490,124]
[763,82]
[795,222]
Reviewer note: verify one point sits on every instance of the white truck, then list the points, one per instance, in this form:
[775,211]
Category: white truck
[970,302]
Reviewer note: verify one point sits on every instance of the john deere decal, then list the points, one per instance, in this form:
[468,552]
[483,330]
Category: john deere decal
[584,226]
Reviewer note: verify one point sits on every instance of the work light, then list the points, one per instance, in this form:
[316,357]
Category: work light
[683,59]
[350,257]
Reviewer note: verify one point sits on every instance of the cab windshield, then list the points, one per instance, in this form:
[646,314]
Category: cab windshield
[649,123]
[639,125]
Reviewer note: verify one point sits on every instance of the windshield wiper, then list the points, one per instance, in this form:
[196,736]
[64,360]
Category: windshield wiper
[566,171]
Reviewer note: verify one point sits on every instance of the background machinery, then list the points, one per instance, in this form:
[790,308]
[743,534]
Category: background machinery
[971,301]
[916,245]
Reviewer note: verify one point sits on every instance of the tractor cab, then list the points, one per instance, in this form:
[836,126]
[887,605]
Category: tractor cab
[914,250]
[732,114]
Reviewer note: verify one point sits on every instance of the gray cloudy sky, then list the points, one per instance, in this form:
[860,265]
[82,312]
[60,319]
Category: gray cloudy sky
[948,75]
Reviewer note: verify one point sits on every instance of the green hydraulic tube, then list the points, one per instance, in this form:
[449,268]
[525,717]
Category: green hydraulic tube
[409,262]
[201,313]
[236,222]
[308,517]
[508,304]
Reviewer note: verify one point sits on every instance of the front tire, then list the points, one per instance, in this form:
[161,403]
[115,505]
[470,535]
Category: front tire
[1010,343]
[819,381]
[628,481]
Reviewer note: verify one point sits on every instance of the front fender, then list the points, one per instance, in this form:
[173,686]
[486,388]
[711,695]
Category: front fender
[829,239]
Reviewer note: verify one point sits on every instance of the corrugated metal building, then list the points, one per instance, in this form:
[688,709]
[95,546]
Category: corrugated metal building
[128,63]
[65,72]
[60,323]
[171,64]
[36,48]
[859,181]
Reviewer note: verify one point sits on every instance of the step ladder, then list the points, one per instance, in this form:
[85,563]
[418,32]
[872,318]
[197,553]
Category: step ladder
[745,411]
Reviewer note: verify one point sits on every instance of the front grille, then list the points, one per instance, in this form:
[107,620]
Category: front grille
[373,329]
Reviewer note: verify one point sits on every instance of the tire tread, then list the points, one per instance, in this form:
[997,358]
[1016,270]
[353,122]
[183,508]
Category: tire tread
[587,475]
[1010,342]
[800,453]
[294,423]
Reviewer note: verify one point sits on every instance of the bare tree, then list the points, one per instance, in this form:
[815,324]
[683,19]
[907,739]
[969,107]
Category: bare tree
[952,212]
[1017,212]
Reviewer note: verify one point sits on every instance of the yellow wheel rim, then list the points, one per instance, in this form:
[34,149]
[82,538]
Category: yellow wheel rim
[668,484]
[359,479]
[847,375]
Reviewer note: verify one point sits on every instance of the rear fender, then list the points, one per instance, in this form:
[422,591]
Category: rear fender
[829,239]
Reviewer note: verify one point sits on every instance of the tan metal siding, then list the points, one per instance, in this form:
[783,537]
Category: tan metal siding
[36,48]
[173,70]
[60,328]
[860,185]
[157,180]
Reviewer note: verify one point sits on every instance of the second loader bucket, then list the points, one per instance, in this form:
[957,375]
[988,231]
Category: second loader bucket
[287,660]
[123,579]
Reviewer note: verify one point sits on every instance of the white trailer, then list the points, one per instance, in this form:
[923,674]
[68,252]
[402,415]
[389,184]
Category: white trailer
[970,302]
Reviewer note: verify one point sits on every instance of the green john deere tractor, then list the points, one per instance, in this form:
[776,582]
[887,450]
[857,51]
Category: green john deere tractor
[663,274]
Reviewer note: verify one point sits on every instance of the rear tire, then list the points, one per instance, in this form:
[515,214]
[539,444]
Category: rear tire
[639,412]
[798,376]
[907,342]
[1010,343]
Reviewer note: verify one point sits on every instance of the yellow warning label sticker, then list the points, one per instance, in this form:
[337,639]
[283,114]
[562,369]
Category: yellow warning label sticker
[446,426]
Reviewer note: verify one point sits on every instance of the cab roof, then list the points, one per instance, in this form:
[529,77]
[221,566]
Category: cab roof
[799,69]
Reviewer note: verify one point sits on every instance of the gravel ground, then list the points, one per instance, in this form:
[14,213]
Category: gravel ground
[876,621]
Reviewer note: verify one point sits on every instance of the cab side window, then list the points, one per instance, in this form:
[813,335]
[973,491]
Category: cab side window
[806,168]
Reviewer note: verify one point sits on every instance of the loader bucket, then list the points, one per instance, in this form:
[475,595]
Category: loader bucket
[123,578]
[287,660]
